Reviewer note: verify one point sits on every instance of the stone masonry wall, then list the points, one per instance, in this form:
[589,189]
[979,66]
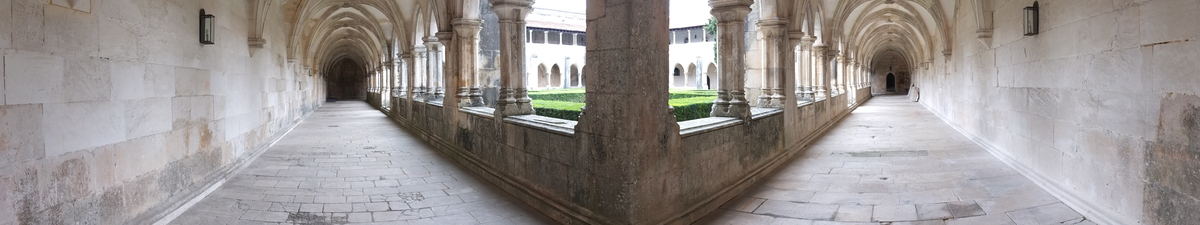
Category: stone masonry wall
[111,112]
[1090,107]
[548,167]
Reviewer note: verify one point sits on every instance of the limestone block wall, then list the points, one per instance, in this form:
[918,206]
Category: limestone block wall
[114,113]
[543,162]
[1098,107]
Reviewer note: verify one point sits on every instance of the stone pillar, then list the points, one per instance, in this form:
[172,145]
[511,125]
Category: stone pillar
[806,69]
[841,80]
[774,49]
[433,51]
[514,96]
[731,58]
[421,77]
[407,85]
[830,84]
[467,40]
[628,132]
[565,72]
[820,71]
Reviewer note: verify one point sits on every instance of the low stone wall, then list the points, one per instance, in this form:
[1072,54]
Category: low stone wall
[541,161]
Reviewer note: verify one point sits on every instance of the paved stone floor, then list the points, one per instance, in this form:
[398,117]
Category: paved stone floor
[892,161]
[347,163]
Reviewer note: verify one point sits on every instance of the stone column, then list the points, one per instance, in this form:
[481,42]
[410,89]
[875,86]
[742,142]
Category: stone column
[407,85]
[820,71]
[467,40]
[433,51]
[514,97]
[628,132]
[447,67]
[830,84]
[774,50]
[842,61]
[806,69]
[731,58]
[421,77]
[565,72]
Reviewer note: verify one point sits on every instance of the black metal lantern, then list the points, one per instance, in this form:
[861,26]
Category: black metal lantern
[207,28]
[1031,19]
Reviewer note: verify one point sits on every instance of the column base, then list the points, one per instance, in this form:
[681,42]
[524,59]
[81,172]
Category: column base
[436,96]
[464,97]
[509,104]
[477,97]
[736,106]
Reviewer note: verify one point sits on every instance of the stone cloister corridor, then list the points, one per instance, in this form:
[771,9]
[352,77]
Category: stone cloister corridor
[572,112]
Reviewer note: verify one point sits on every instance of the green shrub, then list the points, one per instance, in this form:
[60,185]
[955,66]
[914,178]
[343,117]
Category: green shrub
[692,108]
[557,109]
[567,104]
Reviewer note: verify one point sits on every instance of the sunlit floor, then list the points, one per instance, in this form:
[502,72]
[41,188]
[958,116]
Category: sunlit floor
[893,161]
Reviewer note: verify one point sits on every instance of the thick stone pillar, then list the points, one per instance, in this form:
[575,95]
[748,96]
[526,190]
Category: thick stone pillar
[467,40]
[433,51]
[820,71]
[514,95]
[774,51]
[628,132]
[806,69]
[731,58]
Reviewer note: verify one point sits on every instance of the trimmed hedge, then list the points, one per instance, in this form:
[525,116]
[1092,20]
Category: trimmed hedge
[557,109]
[567,103]
[692,108]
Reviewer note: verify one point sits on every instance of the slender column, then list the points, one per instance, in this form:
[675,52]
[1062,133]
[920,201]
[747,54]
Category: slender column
[565,72]
[407,85]
[806,69]
[433,51]
[731,21]
[829,77]
[841,73]
[820,71]
[421,78]
[514,97]
[774,48]
[467,40]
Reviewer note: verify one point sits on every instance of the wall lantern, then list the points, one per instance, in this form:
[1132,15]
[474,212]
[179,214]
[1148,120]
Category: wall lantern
[207,28]
[1031,19]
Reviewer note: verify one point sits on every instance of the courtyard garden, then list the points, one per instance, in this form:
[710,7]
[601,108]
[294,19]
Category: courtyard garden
[566,104]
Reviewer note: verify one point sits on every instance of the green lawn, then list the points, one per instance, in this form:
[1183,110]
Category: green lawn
[565,104]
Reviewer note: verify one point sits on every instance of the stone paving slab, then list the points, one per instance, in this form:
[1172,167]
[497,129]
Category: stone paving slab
[349,164]
[891,161]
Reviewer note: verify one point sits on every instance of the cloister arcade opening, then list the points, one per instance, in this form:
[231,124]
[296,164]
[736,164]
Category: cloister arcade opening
[598,111]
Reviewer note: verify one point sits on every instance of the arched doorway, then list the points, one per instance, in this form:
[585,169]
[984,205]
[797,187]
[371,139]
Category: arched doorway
[891,83]
[555,76]
[543,76]
[346,80]
[575,76]
[677,76]
[710,73]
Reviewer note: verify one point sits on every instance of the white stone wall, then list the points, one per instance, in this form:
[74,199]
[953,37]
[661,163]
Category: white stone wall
[1077,105]
[117,110]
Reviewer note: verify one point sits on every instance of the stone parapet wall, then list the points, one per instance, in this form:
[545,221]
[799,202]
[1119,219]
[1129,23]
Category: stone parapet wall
[541,161]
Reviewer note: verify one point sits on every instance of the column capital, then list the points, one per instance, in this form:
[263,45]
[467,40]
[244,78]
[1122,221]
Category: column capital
[430,39]
[730,10]
[512,10]
[467,28]
[773,28]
